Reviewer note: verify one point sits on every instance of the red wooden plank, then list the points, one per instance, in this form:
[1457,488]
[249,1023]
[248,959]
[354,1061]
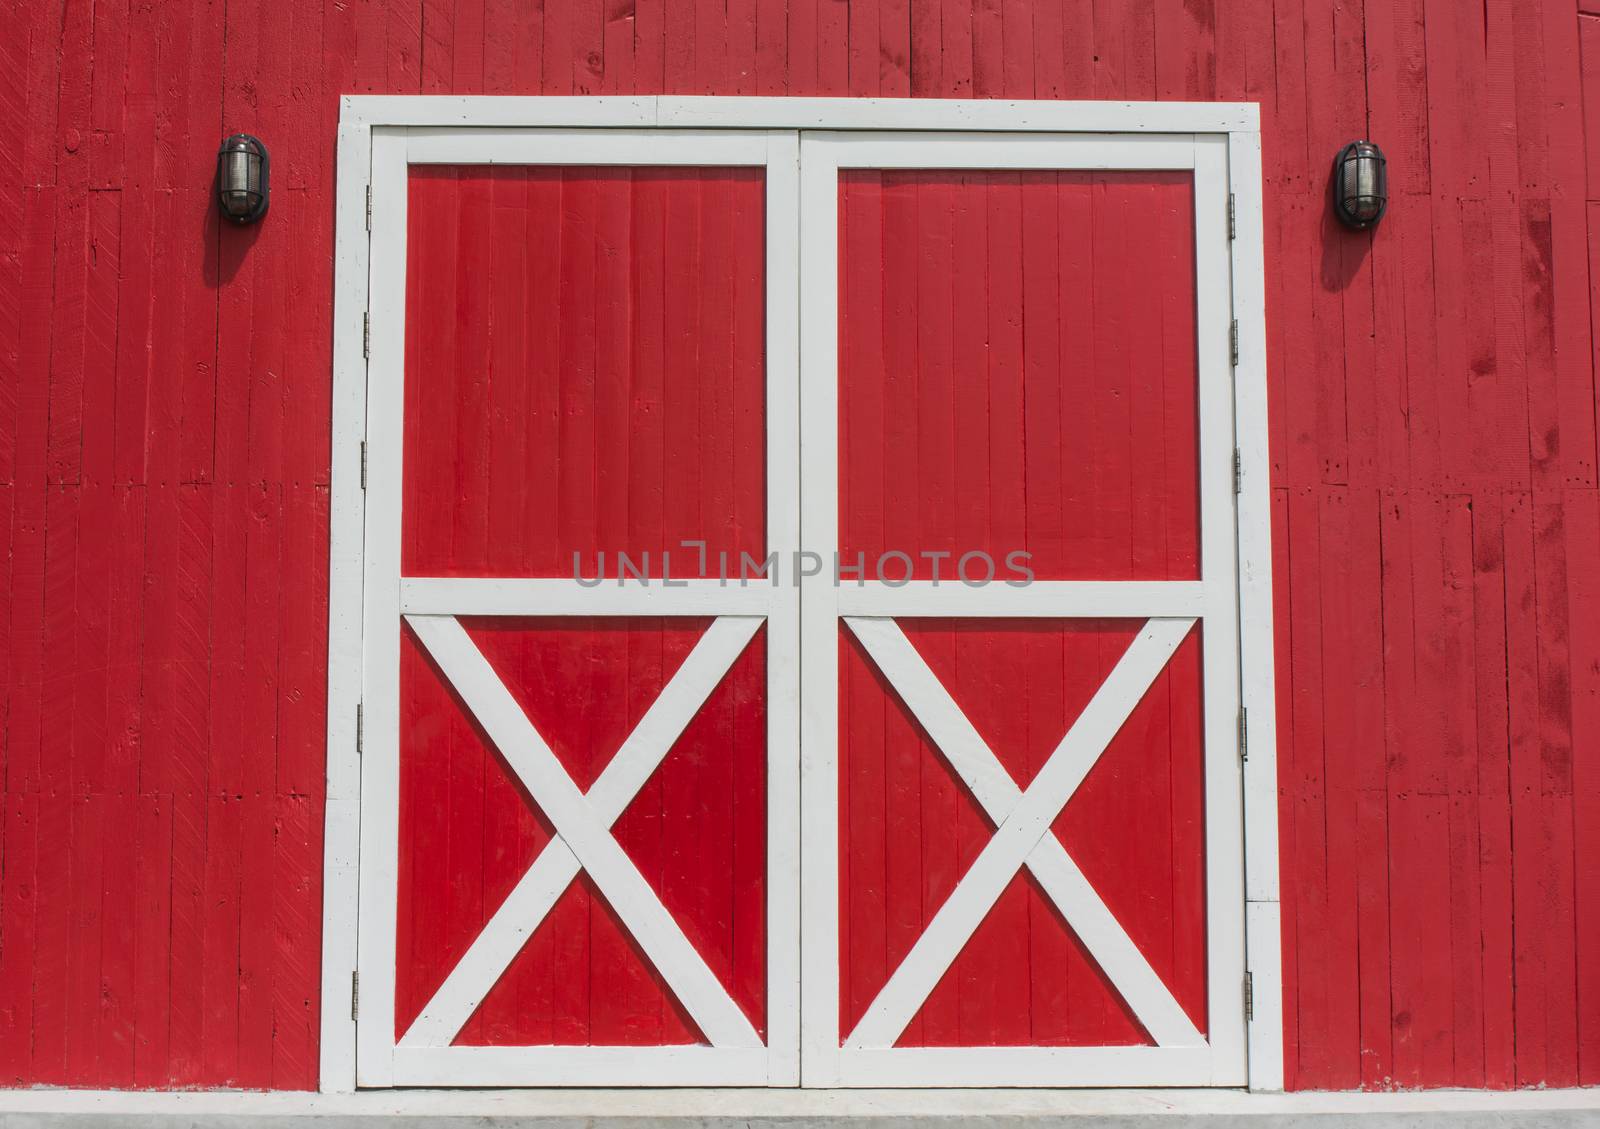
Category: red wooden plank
[1589,60]
[68,306]
[1338,954]
[19,899]
[1556,748]
[771,69]
[1491,706]
[53,917]
[86,851]
[23,716]
[1450,654]
[296,901]
[987,37]
[152,974]
[1529,850]
[61,517]
[115,832]
[1583,593]
[303,655]
[257,942]
[219,914]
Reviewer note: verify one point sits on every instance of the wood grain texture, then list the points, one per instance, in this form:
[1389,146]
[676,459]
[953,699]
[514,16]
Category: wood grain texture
[164,397]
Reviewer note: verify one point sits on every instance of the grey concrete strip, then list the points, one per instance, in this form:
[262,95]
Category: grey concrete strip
[1508,1119]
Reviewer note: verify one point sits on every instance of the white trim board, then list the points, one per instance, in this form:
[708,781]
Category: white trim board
[713,112]
[375,596]
[1221,141]
[792,1103]
[866,1056]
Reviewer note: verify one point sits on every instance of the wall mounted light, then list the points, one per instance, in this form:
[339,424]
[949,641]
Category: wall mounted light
[1360,185]
[242,178]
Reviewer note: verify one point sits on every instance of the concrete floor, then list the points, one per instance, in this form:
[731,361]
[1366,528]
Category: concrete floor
[797,1109]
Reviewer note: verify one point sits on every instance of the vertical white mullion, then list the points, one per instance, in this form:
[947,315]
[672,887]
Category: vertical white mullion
[1255,617]
[380,777]
[341,817]
[1225,924]
[783,626]
[819,644]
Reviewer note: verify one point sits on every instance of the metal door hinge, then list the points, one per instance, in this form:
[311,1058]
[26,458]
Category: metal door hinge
[355,996]
[1233,215]
[1233,342]
[1238,472]
[369,208]
[366,334]
[363,464]
[360,730]
[1249,997]
[1244,734]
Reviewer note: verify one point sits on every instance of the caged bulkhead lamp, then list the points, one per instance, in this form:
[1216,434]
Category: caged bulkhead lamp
[242,179]
[1360,185]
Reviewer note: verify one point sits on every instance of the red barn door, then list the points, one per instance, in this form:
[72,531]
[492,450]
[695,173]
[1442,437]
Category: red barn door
[677,624]
[579,799]
[1022,822]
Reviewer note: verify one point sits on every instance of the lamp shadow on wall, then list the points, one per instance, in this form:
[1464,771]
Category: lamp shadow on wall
[1344,252]
[227,244]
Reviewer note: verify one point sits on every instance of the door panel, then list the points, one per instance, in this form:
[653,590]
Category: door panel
[910,831]
[580,806]
[469,831]
[1020,694]
[599,789]
[585,368]
[1017,370]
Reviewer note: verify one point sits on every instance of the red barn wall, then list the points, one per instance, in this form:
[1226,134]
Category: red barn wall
[164,400]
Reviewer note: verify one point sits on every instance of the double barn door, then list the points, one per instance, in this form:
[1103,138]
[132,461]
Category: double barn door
[799,611]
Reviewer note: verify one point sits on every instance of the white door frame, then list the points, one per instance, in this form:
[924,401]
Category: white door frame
[379,135]
[866,1055]
[423,1055]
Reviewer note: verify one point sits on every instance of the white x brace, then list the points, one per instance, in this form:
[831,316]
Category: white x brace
[583,838]
[1023,835]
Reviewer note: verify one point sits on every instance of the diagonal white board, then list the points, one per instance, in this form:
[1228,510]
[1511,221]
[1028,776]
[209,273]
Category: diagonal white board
[582,823]
[1023,835]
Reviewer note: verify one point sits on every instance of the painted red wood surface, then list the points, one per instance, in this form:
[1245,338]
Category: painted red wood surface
[1039,397]
[1017,373]
[468,832]
[909,830]
[584,372]
[164,391]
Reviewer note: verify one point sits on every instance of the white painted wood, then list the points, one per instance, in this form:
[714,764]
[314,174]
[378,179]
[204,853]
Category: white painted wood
[1116,599]
[700,112]
[1007,151]
[585,831]
[1263,925]
[1223,1107]
[1255,615]
[819,624]
[342,824]
[1213,600]
[520,596]
[1219,638]
[1223,147]
[1018,834]
[380,778]
[1084,911]
[783,618]
[1038,1066]
[490,146]
[583,1066]
[746,1063]
[535,894]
